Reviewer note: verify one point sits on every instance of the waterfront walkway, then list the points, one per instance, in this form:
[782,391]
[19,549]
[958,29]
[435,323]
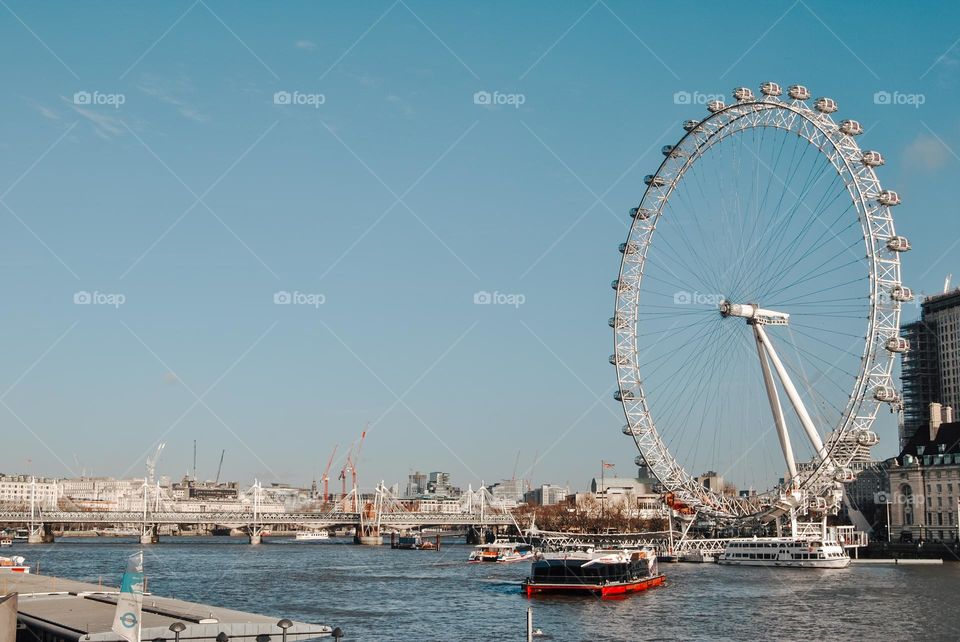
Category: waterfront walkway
[61,610]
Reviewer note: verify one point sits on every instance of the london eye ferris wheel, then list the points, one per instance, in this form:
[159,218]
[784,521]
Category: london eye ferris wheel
[758,306]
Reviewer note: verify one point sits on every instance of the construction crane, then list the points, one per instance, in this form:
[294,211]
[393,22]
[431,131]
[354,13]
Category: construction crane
[530,472]
[353,470]
[347,466]
[152,463]
[326,475]
[220,467]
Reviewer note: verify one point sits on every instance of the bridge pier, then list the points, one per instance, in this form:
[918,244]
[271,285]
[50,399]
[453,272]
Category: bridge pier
[40,534]
[150,534]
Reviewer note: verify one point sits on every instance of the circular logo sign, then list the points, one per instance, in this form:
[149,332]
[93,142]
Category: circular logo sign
[129,620]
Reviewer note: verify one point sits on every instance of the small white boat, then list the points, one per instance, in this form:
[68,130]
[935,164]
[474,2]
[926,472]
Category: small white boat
[310,536]
[13,565]
[501,551]
[698,557]
[6,541]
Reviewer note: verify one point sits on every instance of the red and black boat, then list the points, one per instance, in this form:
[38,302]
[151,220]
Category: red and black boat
[603,572]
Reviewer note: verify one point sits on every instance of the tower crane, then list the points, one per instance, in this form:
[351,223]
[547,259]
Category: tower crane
[326,475]
[152,463]
[220,467]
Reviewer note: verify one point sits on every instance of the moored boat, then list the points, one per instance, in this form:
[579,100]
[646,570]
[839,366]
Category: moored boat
[14,565]
[603,572]
[789,552]
[6,541]
[309,536]
[500,551]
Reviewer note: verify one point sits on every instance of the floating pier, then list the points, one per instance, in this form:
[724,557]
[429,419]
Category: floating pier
[55,609]
[899,561]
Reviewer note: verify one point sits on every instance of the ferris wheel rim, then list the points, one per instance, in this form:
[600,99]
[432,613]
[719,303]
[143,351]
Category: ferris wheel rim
[875,369]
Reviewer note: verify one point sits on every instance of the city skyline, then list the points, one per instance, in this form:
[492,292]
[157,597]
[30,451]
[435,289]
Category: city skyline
[265,239]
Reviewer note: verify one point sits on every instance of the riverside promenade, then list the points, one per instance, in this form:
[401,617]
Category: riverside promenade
[60,610]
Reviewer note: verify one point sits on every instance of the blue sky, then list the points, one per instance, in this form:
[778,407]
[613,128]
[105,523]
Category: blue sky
[391,197]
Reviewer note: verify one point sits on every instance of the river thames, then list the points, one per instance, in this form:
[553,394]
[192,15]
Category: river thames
[383,594]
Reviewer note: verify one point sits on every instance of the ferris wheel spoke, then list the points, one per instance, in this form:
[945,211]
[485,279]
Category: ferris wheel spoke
[810,277]
[790,263]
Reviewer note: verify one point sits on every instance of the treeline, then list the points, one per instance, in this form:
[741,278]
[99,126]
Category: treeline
[587,517]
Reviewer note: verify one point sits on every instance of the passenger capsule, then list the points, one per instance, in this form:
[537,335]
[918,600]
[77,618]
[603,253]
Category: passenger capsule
[628,430]
[770,89]
[654,180]
[619,286]
[885,394]
[690,125]
[639,461]
[825,105]
[872,159]
[743,94]
[901,293]
[889,197]
[867,438]
[670,151]
[618,360]
[617,322]
[851,127]
[897,344]
[641,213]
[898,244]
[714,106]
[799,92]
[626,395]
[844,476]
[628,248]
[819,503]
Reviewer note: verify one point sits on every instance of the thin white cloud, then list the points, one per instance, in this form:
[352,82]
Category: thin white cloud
[105,126]
[306,45]
[47,113]
[926,153]
[173,93]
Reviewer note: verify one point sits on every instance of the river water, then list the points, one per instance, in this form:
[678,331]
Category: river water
[383,594]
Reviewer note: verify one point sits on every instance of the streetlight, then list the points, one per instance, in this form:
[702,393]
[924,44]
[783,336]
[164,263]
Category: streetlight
[177,628]
[284,624]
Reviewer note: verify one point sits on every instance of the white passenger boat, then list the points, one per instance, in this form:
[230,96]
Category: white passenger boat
[784,551]
[13,565]
[501,551]
[311,536]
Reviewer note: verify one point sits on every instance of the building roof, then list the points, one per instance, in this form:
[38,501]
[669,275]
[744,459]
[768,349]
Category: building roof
[948,436]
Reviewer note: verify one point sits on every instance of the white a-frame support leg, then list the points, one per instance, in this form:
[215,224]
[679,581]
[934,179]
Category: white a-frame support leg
[792,393]
[776,408]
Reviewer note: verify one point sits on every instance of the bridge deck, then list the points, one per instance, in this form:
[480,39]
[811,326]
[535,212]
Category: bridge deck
[65,610]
